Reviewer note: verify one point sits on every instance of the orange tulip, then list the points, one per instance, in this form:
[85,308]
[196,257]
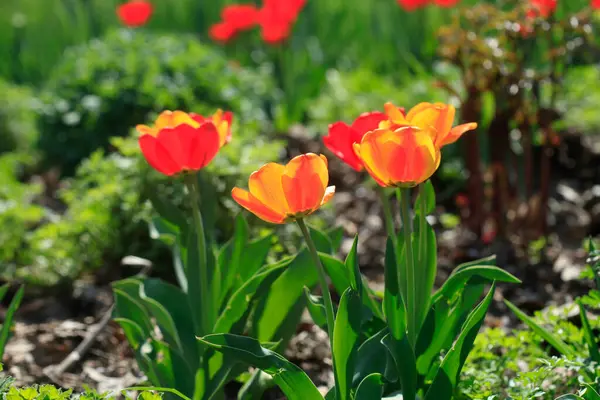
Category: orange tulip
[401,156]
[279,194]
[180,142]
[435,118]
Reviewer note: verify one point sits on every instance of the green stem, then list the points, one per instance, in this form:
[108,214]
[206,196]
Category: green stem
[404,195]
[387,213]
[191,181]
[324,288]
[422,278]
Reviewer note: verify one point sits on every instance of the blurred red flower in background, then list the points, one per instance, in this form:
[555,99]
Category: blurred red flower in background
[135,13]
[541,8]
[275,18]
[595,4]
[235,18]
[411,5]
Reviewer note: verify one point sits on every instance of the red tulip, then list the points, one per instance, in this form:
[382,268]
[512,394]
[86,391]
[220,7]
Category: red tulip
[595,4]
[342,137]
[446,3]
[135,13]
[235,18]
[276,18]
[541,8]
[411,5]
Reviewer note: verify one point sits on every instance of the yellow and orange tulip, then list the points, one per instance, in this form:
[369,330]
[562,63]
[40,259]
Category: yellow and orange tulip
[401,156]
[283,193]
[436,118]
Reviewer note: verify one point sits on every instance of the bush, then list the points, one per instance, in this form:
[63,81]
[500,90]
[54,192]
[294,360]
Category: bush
[18,118]
[102,89]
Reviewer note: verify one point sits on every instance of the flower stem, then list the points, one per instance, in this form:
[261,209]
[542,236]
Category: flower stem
[324,288]
[404,195]
[387,213]
[191,181]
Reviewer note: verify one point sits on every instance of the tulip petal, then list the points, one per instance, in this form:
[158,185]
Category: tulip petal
[304,181]
[456,133]
[340,140]
[146,130]
[413,159]
[329,192]
[367,122]
[395,114]
[265,185]
[172,119]
[375,154]
[252,204]
[157,156]
[204,145]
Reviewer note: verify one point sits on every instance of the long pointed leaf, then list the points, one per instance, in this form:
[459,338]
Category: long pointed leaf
[8,318]
[404,358]
[371,388]
[553,340]
[292,381]
[588,334]
[345,340]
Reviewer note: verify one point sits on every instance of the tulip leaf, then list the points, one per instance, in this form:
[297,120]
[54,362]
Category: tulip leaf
[589,393]
[448,374]
[369,359]
[353,267]
[292,381]
[370,388]
[393,305]
[9,315]
[170,307]
[588,334]
[553,340]
[322,241]
[171,215]
[255,387]
[457,280]
[229,259]
[239,304]
[427,196]
[488,261]
[316,309]
[425,251]
[404,359]
[346,336]
[278,311]
[336,235]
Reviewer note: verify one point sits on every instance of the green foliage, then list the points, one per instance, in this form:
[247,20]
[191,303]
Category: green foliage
[17,210]
[10,313]
[18,118]
[348,94]
[577,99]
[105,87]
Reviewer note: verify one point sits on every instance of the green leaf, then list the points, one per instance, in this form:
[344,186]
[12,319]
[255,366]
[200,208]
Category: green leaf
[589,393]
[369,359]
[457,280]
[155,388]
[126,306]
[9,315]
[170,307]
[553,340]
[292,381]
[168,212]
[353,267]
[229,260]
[322,241]
[240,302]
[488,261]
[393,306]
[316,308]
[345,340]
[371,388]
[193,266]
[336,235]
[425,269]
[588,334]
[448,374]
[569,397]
[404,359]
[429,198]
[256,386]
[163,230]
[277,313]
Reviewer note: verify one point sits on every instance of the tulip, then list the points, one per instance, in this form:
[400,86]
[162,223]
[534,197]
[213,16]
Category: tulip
[235,18]
[436,118]
[279,194]
[595,4]
[341,137]
[411,5]
[135,13]
[401,157]
[180,142]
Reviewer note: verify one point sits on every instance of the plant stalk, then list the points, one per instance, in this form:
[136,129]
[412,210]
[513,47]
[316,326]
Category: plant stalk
[411,316]
[324,288]
[387,213]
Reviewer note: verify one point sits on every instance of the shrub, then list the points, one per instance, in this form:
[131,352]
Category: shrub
[18,117]
[103,88]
